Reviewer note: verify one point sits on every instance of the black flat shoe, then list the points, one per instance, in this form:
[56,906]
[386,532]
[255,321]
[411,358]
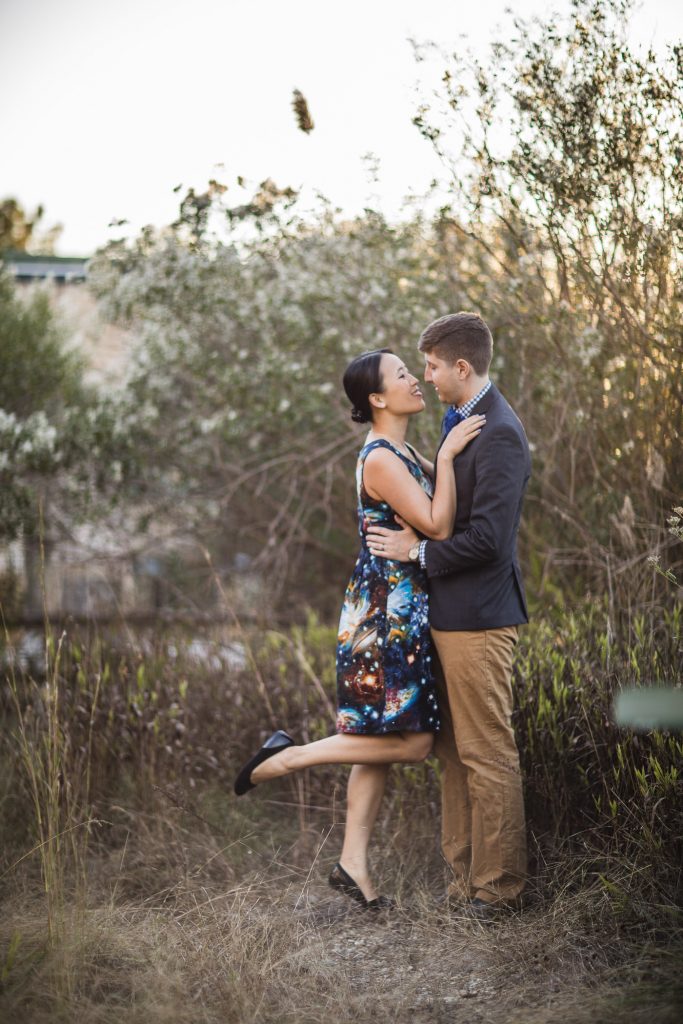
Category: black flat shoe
[273,745]
[340,879]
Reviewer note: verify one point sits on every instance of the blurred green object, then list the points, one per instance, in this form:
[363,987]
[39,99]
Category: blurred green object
[652,707]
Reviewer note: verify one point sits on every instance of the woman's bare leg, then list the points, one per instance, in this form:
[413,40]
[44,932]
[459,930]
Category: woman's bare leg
[371,757]
[347,748]
[363,798]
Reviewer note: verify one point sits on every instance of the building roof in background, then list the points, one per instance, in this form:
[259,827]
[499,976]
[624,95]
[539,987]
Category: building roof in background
[24,266]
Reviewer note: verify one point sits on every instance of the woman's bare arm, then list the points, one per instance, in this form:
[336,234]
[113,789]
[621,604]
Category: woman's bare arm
[386,478]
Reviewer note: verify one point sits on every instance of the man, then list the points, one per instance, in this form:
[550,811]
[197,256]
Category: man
[476,603]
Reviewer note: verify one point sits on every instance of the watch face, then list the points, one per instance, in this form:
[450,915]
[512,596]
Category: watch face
[414,552]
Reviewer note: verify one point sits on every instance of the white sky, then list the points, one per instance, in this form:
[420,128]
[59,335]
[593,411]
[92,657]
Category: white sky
[106,105]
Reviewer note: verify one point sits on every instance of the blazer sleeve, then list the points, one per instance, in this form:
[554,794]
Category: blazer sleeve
[501,471]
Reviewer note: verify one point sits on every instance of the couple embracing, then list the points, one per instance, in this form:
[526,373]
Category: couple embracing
[430,617]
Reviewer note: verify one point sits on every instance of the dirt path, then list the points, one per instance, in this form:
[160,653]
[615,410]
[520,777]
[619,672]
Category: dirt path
[425,963]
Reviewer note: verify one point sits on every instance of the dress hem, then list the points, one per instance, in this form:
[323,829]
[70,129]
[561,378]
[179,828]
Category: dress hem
[386,732]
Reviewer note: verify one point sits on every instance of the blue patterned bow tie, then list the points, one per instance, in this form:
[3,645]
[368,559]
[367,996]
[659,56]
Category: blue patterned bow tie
[451,419]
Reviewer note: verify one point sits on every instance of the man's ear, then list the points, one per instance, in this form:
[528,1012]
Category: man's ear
[463,369]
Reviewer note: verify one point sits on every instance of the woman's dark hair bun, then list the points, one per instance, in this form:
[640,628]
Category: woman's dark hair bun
[362,379]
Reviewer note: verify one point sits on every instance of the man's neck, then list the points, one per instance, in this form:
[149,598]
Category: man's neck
[478,384]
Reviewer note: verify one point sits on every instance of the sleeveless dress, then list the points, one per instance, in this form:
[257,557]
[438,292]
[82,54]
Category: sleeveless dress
[385,673]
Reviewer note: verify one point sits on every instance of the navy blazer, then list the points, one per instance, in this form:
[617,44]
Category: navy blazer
[474,577]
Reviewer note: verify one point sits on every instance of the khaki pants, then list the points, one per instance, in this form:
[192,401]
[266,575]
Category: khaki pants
[483,831]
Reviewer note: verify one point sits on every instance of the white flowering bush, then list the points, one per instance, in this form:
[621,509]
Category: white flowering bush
[235,392]
[27,445]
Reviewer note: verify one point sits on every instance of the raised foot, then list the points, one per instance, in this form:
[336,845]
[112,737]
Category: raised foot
[278,764]
[274,745]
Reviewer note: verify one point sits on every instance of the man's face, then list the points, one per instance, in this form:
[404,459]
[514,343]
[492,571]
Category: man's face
[447,380]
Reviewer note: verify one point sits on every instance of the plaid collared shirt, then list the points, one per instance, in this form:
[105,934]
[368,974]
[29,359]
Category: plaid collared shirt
[463,412]
[466,409]
[455,415]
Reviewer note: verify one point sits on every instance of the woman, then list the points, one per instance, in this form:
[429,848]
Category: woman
[387,705]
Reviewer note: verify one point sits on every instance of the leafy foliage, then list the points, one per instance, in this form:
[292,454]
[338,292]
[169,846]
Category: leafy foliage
[568,177]
[563,227]
[38,382]
[55,433]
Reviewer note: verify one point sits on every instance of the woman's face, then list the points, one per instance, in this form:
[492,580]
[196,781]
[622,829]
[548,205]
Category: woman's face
[401,390]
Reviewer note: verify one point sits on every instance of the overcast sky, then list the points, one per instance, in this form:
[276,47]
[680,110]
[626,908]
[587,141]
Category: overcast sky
[106,105]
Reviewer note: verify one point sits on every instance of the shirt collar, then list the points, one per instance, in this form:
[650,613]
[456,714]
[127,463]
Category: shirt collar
[467,408]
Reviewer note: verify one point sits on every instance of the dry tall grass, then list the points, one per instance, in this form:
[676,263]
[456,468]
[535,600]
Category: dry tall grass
[181,924]
[165,899]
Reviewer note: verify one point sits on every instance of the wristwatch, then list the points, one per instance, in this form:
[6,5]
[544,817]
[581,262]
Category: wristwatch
[414,552]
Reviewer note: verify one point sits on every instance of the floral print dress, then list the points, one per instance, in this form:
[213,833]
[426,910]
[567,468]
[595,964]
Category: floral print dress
[385,673]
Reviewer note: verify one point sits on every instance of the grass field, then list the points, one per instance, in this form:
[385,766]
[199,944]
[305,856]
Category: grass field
[135,887]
